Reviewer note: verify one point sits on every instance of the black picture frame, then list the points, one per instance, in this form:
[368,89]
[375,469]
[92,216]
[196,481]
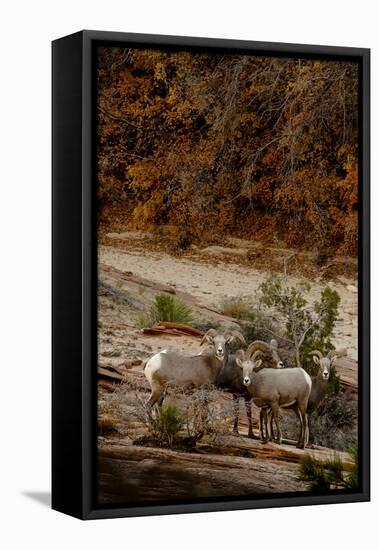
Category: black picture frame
[74,273]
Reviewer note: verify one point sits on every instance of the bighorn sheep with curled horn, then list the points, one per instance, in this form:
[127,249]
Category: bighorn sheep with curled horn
[319,384]
[171,368]
[278,388]
[230,376]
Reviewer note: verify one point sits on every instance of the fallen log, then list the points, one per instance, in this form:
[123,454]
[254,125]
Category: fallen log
[173,329]
[107,373]
[107,385]
[183,327]
[116,368]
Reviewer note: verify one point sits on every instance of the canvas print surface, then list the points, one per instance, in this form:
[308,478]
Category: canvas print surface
[227,200]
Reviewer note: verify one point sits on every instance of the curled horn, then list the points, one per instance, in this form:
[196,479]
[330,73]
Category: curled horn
[256,355]
[236,335]
[258,345]
[208,336]
[332,355]
[316,352]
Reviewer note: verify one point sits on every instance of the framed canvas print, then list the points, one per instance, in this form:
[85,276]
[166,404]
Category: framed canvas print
[210,275]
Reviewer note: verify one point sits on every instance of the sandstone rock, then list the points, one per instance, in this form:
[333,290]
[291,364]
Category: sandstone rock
[352,288]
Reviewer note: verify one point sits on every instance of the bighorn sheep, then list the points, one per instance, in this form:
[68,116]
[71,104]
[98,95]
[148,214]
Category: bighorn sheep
[278,388]
[320,381]
[230,376]
[171,368]
[319,384]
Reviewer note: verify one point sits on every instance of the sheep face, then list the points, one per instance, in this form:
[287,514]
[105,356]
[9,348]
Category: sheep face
[275,355]
[324,364]
[248,369]
[220,346]
[220,343]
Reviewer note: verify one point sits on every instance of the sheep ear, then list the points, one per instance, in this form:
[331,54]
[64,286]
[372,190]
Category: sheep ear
[316,359]
[239,362]
[333,359]
[258,364]
[274,344]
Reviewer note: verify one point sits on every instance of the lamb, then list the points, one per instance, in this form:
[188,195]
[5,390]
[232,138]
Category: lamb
[278,388]
[230,377]
[171,368]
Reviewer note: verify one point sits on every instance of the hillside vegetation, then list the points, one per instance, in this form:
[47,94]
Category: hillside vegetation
[216,144]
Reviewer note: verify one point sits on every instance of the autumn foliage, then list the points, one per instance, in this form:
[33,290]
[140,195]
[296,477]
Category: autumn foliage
[216,143]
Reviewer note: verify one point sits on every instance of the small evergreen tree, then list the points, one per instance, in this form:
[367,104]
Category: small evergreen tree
[307,326]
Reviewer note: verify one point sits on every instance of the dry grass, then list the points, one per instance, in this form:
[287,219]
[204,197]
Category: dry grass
[182,421]
[237,308]
[111,417]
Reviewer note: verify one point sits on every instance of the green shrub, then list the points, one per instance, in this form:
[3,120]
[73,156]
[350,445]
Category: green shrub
[168,424]
[261,326]
[353,477]
[328,475]
[169,308]
[185,422]
[162,423]
[166,308]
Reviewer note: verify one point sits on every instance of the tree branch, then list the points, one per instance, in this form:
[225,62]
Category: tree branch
[117,118]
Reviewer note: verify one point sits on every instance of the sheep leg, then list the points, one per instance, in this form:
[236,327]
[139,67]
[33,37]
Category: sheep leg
[271,436]
[303,416]
[153,398]
[263,420]
[235,413]
[160,400]
[157,395]
[300,415]
[311,437]
[261,434]
[250,432]
[275,413]
[306,429]
[270,426]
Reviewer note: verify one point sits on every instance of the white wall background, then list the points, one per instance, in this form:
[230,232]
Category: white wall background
[26,31]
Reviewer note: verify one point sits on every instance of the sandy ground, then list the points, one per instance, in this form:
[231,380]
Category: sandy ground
[212,282]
